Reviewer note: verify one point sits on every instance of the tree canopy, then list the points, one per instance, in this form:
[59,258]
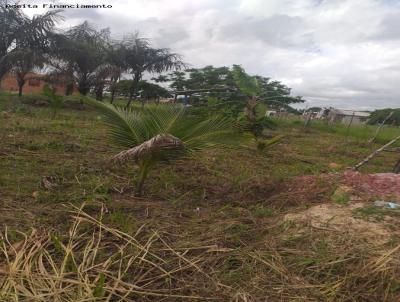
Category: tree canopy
[21,36]
[80,54]
[141,57]
[378,116]
[228,89]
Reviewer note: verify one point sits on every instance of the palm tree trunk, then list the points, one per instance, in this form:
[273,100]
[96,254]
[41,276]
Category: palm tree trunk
[130,99]
[99,92]
[69,89]
[143,172]
[20,87]
[20,81]
[112,94]
[132,89]
[83,88]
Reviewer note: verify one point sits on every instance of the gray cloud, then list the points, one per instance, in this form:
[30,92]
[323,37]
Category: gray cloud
[277,30]
[343,53]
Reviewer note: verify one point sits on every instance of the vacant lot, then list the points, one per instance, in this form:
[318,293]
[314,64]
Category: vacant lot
[239,225]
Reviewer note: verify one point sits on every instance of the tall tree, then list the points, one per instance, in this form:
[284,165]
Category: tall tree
[141,58]
[145,90]
[153,91]
[18,33]
[116,56]
[80,55]
[24,62]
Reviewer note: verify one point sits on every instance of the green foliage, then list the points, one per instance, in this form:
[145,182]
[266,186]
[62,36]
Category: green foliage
[229,89]
[370,213]
[340,197]
[99,290]
[136,127]
[80,56]
[378,116]
[263,144]
[145,90]
[257,125]
[246,83]
[55,101]
[141,57]
[21,36]
[260,211]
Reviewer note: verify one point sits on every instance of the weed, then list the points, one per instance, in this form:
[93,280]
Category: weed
[372,212]
[340,197]
[260,211]
[122,220]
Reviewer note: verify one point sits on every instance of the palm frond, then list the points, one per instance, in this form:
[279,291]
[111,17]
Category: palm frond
[125,126]
[133,128]
[246,83]
[162,146]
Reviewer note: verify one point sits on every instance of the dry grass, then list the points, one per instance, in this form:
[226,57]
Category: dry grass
[321,266]
[97,263]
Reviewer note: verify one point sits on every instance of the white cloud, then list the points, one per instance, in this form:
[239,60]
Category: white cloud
[342,53]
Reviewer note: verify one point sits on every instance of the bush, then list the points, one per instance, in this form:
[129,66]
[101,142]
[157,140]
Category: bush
[378,116]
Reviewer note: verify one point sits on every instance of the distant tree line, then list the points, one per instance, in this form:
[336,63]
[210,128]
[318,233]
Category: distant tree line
[378,116]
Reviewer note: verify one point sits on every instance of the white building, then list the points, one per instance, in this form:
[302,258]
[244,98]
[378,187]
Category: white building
[344,116]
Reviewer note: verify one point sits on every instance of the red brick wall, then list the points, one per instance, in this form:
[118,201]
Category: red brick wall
[9,83]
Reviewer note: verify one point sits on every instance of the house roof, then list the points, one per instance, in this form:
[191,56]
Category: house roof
[351,112]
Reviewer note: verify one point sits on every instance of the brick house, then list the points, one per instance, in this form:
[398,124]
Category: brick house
[34,84]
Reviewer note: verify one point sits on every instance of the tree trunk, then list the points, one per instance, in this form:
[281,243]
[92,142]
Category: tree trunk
[112,94]
[21,83]
[113,88]
[99,92]
[20,89]
[130,99]
[83,87]
[69,89]
[143,171]
[133,88]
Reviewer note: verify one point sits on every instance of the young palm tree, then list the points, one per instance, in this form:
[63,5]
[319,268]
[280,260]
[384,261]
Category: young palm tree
[162,134]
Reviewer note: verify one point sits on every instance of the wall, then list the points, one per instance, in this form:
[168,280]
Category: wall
[33,84]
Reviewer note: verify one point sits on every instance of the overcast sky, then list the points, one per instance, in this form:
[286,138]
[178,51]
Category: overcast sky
[332,52]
